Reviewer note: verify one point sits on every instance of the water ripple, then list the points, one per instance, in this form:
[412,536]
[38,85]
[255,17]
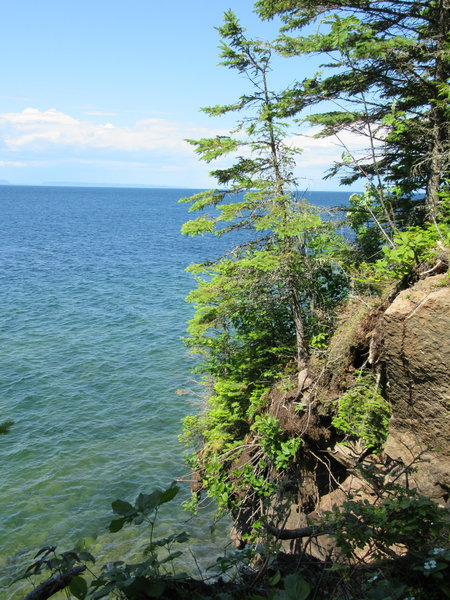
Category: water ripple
[91,312]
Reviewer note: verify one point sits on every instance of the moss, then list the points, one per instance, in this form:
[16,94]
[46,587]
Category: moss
[444,282]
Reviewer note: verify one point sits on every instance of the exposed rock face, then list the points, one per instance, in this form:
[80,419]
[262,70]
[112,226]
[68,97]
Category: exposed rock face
[416,333]
[407,343]
[410,344]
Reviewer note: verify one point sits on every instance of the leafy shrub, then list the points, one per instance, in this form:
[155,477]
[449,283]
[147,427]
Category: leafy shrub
[401,517]
[363,413]
[275,447]
[412,246]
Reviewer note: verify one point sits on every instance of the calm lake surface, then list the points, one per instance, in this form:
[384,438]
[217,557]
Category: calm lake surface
[92,289]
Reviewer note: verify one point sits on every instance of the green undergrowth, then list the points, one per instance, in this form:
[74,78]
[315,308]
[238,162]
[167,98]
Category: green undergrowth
[408,248]
[413,246]
[402,536]
[237,445]
[363,414]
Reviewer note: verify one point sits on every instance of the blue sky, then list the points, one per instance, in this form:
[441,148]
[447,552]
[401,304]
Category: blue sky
[107,91]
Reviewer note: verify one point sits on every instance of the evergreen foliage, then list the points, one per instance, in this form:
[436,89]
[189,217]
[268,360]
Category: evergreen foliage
[256,307]
[275,294]
[386,76]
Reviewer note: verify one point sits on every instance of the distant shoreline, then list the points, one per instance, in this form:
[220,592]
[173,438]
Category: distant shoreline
[135,186]
[74,184]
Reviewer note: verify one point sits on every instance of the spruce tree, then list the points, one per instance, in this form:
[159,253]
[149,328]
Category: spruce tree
[259,305]
[387,74]
[281,264]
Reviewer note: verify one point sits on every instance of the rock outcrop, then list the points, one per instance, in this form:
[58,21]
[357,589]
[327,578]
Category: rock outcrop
[406,342]
[415,330]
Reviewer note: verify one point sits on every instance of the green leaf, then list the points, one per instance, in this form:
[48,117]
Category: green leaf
[445,589]
[169,493]
[146,503]
[123,508]
[86,556]
[175,537]
[155,589]
[198,226]
[275,579]
[117,524]
[78,587]
[171,557]
[295,588]
[139,519]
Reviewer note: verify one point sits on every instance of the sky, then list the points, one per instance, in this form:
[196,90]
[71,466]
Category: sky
[103,91]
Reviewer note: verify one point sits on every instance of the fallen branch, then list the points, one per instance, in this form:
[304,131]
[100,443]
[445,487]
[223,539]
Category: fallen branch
[54,584]
[295,534]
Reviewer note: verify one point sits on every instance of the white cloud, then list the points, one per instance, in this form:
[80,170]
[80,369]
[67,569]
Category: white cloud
[323,151]
[33,129]
[13,163]
[76,147]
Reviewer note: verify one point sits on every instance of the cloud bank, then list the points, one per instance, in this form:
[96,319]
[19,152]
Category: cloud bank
[33,129]
[149,149]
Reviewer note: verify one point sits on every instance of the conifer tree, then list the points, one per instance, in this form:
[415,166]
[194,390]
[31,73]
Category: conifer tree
[281,257]
[387,74]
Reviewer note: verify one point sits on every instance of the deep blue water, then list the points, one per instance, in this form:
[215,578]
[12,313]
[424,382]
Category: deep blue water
[92,285]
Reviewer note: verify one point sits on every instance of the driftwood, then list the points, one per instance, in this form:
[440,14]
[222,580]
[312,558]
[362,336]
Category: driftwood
[295,534]
[54,584]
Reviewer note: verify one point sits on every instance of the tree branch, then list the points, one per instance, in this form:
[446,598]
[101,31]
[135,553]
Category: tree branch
[295,534]
[54,584]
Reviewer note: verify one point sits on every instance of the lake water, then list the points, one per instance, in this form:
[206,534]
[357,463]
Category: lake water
[92,288]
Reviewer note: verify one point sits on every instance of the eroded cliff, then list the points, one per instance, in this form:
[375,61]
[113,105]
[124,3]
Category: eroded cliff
[404,343]
[415,330]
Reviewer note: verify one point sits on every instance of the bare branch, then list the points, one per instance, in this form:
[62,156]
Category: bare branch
[54,584]
[295,534]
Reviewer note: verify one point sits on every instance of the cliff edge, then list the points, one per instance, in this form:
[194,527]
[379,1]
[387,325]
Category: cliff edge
[415,333]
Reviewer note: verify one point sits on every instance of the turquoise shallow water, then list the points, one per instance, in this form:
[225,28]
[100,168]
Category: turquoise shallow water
[92,284]
[91,314]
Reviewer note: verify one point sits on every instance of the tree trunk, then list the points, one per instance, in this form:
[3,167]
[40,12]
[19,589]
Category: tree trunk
[302,354]
[440,136]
